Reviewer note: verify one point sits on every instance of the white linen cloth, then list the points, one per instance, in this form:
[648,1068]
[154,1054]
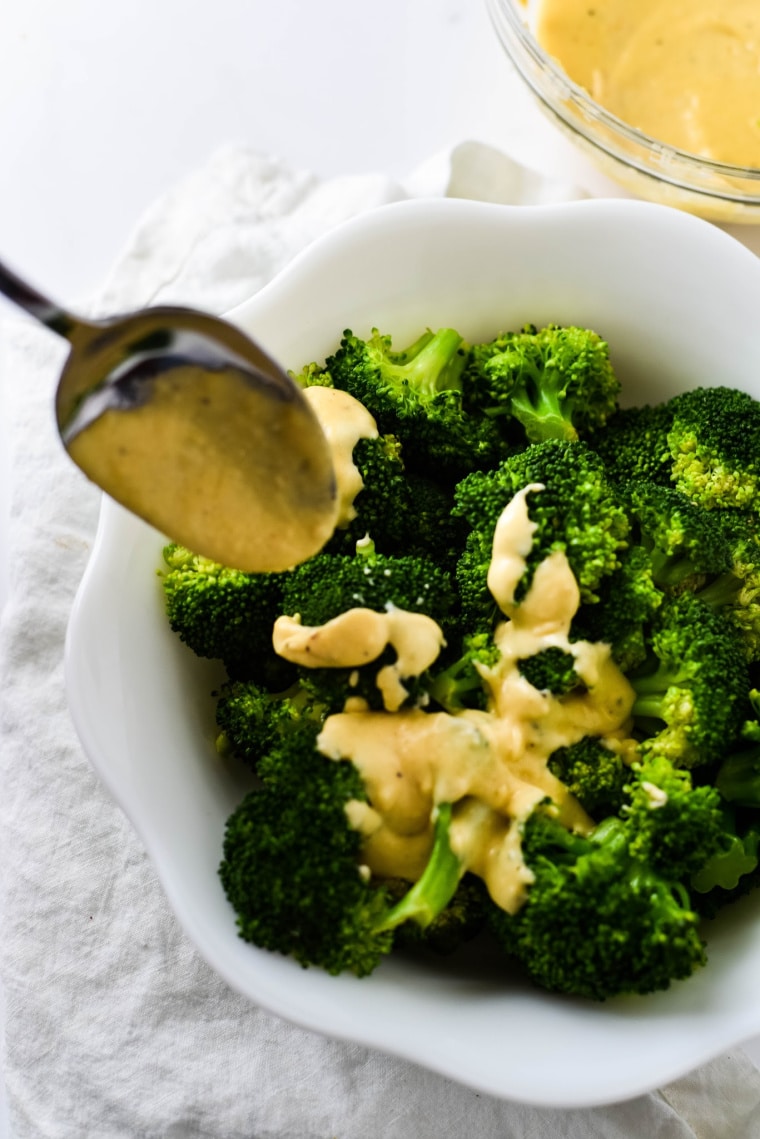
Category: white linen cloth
[115,1027]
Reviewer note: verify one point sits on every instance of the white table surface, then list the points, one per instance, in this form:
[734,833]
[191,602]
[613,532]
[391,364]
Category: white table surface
[105,106]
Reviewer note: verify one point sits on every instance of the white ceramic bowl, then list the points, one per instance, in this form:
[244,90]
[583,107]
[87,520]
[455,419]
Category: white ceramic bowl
[679,303]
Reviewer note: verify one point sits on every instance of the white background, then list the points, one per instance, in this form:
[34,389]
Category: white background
[104,105]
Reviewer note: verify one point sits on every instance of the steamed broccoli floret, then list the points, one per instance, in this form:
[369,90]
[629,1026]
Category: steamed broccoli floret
[715,553]
[633,444]
[557,382]
[328,585]
[416,395]
[691,696]
[222,613]
[478,356]
[598,922]
[384,504]
[684,542]
[595,774]
[715,443]
[616,901]
[628,599]
[736,592]
[551,670]
[292,866]
[251,719]
[313,376]
[675,826]
[577,512]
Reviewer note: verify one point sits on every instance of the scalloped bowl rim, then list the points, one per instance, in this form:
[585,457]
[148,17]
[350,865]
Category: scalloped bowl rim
[675,297]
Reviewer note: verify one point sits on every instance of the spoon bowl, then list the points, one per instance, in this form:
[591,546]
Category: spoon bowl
[186,421]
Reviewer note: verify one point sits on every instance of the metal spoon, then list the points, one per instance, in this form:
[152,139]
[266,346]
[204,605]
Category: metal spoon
[184,420]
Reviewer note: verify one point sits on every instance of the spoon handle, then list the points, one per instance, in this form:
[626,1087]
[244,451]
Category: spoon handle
[38,306]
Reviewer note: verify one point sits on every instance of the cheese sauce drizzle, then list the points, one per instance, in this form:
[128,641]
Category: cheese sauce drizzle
[359,636]
[491,765]
[344,421]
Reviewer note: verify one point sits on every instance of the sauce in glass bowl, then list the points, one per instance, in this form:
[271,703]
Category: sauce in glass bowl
[686,72]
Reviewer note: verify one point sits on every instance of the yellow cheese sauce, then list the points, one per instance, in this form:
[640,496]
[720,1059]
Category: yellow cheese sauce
[359,636]
[686,72]
[344,421]
[491,765]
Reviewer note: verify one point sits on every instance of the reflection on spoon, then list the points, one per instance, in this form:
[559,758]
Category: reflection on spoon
[183,419]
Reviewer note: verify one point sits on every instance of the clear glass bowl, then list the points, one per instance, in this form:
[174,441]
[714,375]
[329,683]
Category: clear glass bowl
[647,168]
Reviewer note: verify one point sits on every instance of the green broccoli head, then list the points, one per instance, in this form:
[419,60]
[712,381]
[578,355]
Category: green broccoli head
[691,695]
[577,512]
[291,864]
[416,395]
[252,720]
[674,826]
[633,444]
[685,542]
[598,922]
[293,872]
[627,601]
[551,670]
[384,504]
[715,443]
[312,375]
[328,585]
[222,613]
[557,382]
[594,773]
[678,546]
[736,592]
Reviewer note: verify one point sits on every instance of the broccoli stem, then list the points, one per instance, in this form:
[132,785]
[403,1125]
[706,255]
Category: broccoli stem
[542,414]
[451,687]
[436,367]
[648,707]
[670,569]
[650,690]
[610,833]
[738,779]
[723,591]
[431,893]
